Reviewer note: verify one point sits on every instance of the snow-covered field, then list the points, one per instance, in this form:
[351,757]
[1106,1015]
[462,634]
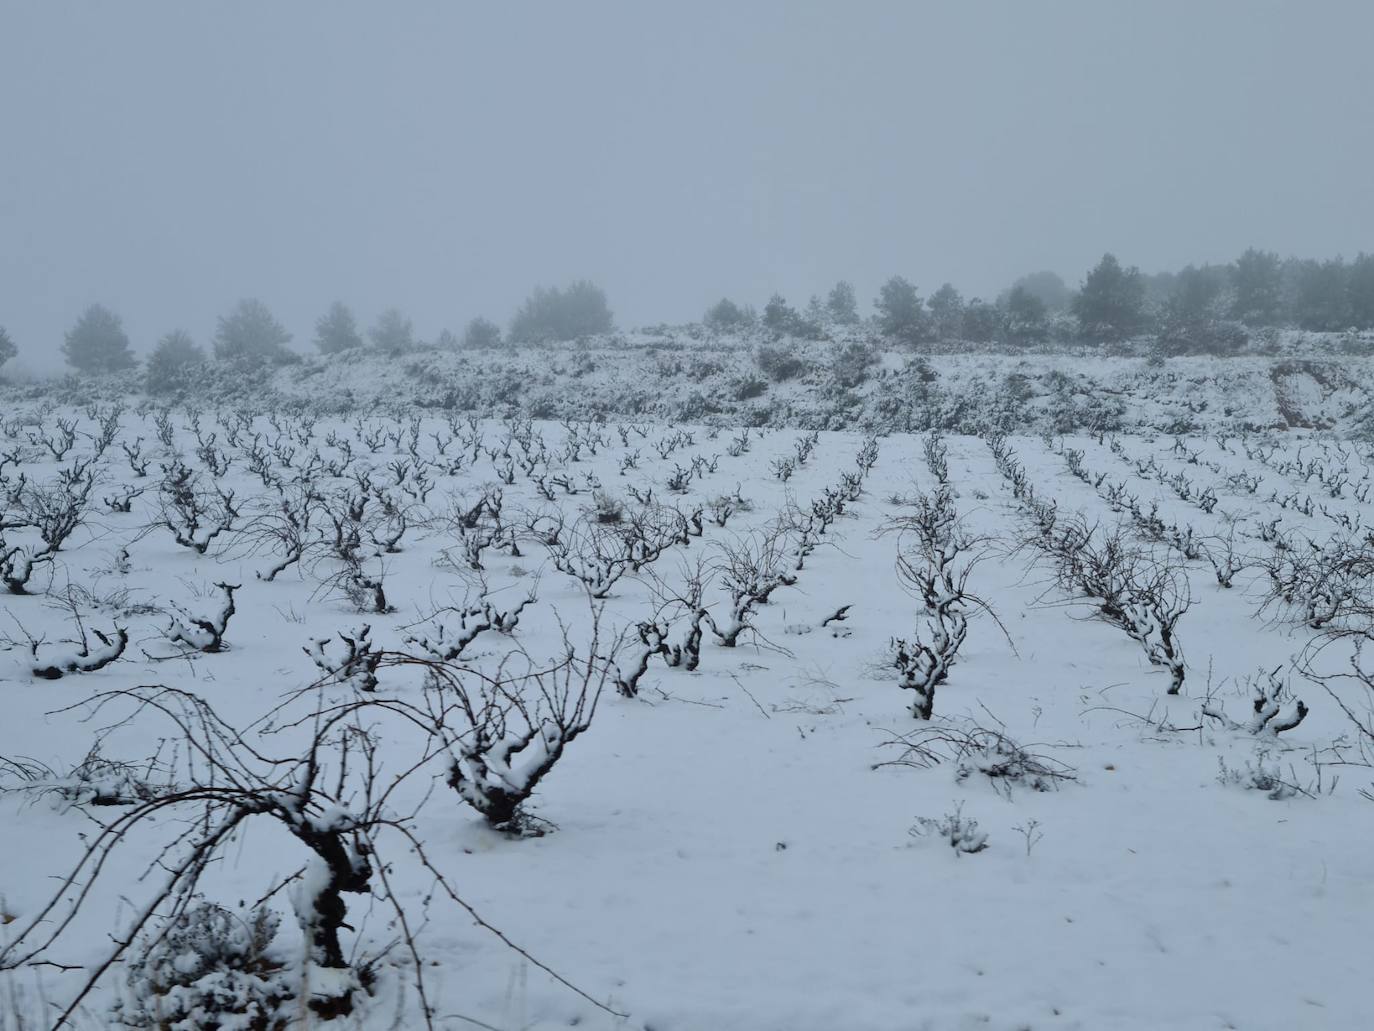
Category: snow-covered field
[764,841]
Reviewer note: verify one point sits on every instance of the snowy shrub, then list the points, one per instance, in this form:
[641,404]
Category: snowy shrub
[447,642]
[353,663]
[936,572]
[1141,593]
[749,388]
[958,831]
[49,513]
[607,508]
[849,364]
[518,729]
[654,637]
[204,635]
[210,970]
[54,663]
[978,751]
[778,363]
[94,781]
[1260,775]
[194,516]
[1273,708]
[751,569]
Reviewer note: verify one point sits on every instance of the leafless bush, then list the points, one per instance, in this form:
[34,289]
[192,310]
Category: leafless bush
[204,635]
[82,657]
[1329,584]
[289,531]
[936,557]
[1263,775]
[194,516]
[518,729]
[979,750]
[750,568]
[1221,553]
[52,514]
[1274,709]
[364,588]
[331,805]
[353,663]
[936,456]
[94,781]
[593,554]
[655,635]
[1360,753]
[1137,591]
[447,642]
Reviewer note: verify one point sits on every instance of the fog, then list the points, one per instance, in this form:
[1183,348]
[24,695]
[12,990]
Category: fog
[168,158]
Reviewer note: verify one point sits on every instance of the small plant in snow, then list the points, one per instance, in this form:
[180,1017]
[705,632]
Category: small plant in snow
[1274,709]
[1030,830]
[210,969]
[353,663]
[976,750]
[962,834]
[608,509]
[447,642]
[1260,775]
[204,635]
[95,781]
[55,663]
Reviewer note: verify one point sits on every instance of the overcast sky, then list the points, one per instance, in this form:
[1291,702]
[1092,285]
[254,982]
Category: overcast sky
[167,158]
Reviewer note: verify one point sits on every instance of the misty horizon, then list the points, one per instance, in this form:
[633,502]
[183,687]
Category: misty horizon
[446,160]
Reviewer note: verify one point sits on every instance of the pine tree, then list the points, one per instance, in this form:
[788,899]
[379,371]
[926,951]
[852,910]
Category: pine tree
[337,330]
[842,304]
[947,312]
[97,344]
[779,316]
[1320,295]
[725,314]
[1257,287]
[981,321]
[1025,316]
[172,360]
[251,331]
[7,348]
[481,332]
[1111,303]
[392,333]
[900,313]
[1360,287]
[553,314]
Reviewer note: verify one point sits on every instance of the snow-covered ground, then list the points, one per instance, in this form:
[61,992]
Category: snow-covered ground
[734,847]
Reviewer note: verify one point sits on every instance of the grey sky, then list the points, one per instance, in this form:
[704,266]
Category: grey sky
[168,158]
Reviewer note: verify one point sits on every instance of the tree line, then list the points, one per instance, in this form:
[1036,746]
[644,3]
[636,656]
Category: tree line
[1200,309]
[98,345]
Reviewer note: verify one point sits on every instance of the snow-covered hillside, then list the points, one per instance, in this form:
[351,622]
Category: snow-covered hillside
[671,375]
